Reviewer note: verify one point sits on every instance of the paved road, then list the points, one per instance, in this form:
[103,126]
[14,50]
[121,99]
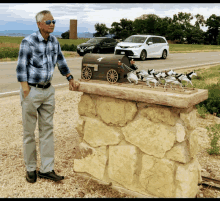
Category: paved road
[8,80]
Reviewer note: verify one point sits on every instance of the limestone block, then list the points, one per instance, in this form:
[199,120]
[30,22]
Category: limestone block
[189,119]
[193,143]
[179,153]
[203,139]
[130,111]
[86,106]
[122,164]
[136,93]
[115,111]
[187,180]
[157,176]
[94,163]
[80,126]
[152,138]
[160,114]
[180,132]
[97,133]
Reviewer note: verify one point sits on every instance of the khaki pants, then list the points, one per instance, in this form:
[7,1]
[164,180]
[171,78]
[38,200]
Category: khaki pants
[42,102]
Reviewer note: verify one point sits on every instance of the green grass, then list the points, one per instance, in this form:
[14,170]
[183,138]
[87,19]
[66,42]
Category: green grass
[214,135]
[192,48]
[9,46]
[72,41]
[17,40]
[8,39]
[205,77]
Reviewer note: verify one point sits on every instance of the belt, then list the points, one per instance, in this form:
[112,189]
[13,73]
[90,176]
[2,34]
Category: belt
[40,86]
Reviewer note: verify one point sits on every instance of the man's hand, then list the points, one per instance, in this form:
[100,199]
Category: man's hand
[73,85]
[26,88]
[26,93]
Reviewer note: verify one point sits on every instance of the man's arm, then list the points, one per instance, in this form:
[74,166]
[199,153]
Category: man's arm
[61,63]
[23,57]
[64,70]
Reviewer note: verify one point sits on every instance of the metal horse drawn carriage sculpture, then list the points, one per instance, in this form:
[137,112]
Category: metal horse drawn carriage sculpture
[118,68]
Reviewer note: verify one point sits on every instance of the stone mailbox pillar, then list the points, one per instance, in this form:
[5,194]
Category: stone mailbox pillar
[73,29]
[139,139]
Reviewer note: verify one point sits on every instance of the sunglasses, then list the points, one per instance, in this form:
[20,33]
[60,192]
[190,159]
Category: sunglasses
[48,22]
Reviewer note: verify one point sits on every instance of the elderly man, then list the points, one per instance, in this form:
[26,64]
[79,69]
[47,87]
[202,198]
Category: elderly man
[38,55]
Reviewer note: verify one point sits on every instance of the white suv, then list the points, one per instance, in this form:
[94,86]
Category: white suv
[143,46]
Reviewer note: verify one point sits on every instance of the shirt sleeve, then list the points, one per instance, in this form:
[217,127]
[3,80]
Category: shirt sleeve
[23,58]
[61,62]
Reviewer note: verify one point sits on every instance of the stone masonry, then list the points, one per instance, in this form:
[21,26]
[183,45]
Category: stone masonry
[144,147]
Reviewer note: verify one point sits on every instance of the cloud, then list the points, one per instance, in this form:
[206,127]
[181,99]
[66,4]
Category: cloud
[88,14]
[114,15]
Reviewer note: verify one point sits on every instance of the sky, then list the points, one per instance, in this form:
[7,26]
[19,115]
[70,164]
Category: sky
[21,16]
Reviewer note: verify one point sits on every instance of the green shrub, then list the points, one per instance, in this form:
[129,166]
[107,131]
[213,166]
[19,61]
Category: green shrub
[65,35]
[214,134]
[212,104]
[202,110]
[8,52]
[67,47]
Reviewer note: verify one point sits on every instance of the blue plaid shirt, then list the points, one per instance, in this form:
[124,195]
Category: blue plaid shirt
[37,59]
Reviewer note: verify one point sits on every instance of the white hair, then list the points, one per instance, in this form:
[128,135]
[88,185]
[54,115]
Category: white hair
[39,16]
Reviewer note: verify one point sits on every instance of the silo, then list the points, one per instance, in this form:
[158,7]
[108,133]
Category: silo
[73,29]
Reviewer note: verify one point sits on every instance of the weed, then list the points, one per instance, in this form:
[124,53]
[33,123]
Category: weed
[214,134]
[202,111]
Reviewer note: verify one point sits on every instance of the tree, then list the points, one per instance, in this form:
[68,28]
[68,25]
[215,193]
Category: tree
[140,26]
[127,28]
[115,29]
[180,25]
[176,32]
[65,35]
[101,29]
[122,29]
[195,35]
[213,24]
[147,24]
[199,20]
[163,26]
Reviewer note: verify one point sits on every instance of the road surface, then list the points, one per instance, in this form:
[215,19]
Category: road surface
[8,79]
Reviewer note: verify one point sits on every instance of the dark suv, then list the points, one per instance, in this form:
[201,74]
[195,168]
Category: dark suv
[97,45]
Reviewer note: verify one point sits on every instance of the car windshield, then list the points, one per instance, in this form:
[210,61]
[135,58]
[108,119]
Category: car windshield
[94,40]
[135,39]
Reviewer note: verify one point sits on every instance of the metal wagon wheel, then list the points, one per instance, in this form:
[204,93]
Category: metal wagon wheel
[86,73]
[112,76]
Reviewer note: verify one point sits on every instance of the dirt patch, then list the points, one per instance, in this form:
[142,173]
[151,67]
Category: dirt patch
[212,81]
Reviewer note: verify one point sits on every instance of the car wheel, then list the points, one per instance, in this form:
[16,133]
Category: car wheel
[98,51]
[143,55]
[164,54]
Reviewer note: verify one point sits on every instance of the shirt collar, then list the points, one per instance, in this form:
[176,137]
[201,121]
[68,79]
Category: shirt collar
[40,37]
